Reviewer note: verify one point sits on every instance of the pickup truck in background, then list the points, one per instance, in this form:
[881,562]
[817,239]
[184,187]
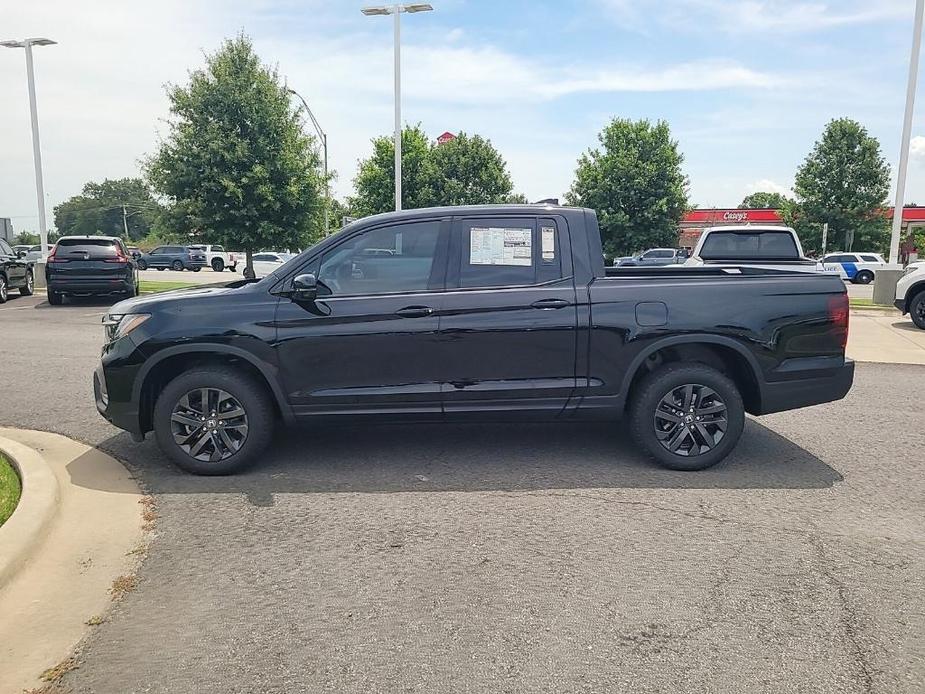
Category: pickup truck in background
[482,313]
[752,245]
[217,257]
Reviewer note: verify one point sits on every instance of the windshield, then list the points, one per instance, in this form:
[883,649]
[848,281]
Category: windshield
[731,245]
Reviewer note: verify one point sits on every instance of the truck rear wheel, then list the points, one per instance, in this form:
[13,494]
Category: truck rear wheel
[213,420]
[687,416]
[218,264]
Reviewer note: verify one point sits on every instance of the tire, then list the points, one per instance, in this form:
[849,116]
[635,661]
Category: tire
[864,277]
[54,298]
[195,269]
[177,265]
[917,310]
[161,269]
[28,289]
[218,265]
[249,394]
[4,289]
[133,291]
[234,268]
[142,265]
[670,383]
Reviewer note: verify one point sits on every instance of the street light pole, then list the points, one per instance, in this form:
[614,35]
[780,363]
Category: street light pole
[396,10]
[907,132]
[324,144]
[36,148]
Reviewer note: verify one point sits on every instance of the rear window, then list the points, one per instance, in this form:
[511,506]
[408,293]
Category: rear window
[89,248]
[730,245]
[64,243]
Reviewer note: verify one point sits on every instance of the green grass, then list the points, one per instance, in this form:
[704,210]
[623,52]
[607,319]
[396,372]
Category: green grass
[867,303]
[9,489]
[153,286]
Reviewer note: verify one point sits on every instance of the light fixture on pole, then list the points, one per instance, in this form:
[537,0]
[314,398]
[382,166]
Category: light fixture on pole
[396,10]
[36,149]
[907,132]
[324,143]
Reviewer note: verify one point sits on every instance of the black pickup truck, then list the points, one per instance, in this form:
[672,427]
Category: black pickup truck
[484,312]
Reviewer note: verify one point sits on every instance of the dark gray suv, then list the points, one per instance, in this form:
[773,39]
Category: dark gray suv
[173,257]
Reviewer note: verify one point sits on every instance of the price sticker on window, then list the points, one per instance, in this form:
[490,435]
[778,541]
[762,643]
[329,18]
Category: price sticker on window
[548,245]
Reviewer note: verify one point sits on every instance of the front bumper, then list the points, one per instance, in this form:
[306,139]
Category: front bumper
[901,305]
[113,385]
[808,387]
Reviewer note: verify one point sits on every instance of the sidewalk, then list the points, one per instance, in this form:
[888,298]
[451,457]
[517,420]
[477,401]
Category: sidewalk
[886,338]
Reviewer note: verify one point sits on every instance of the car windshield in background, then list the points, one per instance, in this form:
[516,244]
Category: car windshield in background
[730,245]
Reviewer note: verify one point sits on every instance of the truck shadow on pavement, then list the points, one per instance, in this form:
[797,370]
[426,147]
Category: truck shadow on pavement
[470,458]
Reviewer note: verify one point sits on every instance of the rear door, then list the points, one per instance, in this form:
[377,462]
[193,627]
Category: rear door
[508,327]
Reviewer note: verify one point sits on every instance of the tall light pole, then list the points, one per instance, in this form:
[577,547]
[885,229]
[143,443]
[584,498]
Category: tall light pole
[36,149]
[324,142]
[907,132]
[396,11]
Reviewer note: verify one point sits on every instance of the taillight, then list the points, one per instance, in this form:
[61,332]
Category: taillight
[838,315]
[119,258]
[52,257]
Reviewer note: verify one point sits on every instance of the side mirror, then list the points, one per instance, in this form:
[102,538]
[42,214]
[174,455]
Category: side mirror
[304,288]
[136,255]
[20,254]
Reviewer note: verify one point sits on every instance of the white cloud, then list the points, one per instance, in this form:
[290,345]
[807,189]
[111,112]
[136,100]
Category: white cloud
[917,148]
[761,16]
[766,185]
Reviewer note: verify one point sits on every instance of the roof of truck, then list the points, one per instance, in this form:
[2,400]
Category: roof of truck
[505,209]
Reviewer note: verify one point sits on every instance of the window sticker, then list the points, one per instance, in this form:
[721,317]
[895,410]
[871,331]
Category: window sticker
[548,246]
[500,246]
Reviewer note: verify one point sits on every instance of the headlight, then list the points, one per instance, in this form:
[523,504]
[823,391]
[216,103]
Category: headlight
[119,325]
[912,268]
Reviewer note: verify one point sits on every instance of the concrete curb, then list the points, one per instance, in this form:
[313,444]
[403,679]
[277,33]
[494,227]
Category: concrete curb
[37,507]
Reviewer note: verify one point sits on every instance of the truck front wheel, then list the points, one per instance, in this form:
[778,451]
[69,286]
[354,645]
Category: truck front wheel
[687,416]
[917,309]
[213,420]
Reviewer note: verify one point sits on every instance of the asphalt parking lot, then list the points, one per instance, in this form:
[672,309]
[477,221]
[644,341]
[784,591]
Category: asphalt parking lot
[510,558]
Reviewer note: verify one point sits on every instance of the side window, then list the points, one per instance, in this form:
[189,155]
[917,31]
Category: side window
[5,248]
[385,260]
[265,257]
[870,259]
[218,249]
[508,252]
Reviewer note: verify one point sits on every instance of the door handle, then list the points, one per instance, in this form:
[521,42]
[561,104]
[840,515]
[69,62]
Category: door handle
[414,311]
[546,304]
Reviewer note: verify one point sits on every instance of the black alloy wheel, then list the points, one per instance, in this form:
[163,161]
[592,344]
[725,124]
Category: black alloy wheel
[209,424]
[690,420]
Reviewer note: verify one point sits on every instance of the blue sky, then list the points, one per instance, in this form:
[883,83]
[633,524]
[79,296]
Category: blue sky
[746,86]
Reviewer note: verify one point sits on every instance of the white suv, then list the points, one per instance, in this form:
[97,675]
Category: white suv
[217,258]
[910,293]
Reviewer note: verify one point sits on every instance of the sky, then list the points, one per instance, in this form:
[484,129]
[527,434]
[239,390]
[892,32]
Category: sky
[745,85]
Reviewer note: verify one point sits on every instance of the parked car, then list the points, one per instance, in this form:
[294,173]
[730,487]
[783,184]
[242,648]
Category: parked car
[656,256]
[765,247]
[859,268]
[266,262]
[910,293]
[173,257]
[482,312]
[15,272]
[31,253]
[90,266]
[217,258]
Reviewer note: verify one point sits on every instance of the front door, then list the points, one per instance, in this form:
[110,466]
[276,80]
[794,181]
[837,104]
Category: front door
[508,328]
[368,343]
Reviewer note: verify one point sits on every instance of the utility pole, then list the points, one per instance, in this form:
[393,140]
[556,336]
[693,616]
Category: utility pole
[125,222]
[907,132]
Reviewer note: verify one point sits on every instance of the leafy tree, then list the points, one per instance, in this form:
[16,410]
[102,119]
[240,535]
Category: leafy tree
[26,238]
[375,179]
[844,181]
[236,166]
[466,170]
[635,183]
[99,210]
[763,200]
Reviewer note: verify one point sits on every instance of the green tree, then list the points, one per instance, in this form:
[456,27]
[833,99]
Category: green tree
[843,181]
[26,238]
[466,170]
[635,183]
[375,179]
[763,200]
[236,166]
[98,209]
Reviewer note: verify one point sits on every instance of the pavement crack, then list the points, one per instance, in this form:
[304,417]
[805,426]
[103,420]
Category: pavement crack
[847,616]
